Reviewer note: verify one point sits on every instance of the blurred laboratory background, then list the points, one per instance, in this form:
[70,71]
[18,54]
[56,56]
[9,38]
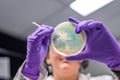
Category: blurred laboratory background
[16,17]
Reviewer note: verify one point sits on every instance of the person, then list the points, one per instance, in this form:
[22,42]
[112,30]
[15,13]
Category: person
[101,46]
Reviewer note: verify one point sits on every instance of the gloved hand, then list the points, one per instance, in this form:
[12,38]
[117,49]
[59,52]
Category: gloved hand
[37,49]
[101,46]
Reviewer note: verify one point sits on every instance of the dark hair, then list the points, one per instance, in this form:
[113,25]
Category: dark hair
[85,64]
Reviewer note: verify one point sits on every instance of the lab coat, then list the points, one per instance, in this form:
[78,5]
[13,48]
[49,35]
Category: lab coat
[86,77]
[43,75]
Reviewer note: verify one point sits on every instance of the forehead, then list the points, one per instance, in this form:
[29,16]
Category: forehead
[52,52]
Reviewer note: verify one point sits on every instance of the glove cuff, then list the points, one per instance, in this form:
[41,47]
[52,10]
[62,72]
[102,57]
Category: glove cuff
[31,73]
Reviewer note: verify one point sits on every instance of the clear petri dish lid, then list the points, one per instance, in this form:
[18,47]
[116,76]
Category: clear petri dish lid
[65,41]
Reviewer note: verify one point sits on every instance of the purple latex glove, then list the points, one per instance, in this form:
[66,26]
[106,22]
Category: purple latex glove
[101,46]
[37,49]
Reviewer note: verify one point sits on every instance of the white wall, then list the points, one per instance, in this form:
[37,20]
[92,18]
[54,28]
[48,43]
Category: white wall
[96,68]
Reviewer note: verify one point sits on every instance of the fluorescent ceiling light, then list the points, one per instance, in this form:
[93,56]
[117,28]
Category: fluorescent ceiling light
[86,7]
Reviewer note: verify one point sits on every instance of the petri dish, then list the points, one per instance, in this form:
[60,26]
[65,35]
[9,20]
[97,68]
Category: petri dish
[65,41]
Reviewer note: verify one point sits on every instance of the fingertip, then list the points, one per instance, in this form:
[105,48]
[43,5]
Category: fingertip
[70,58]
[100,24]
[71,19]
[52,30]
[78,29]
[96,24]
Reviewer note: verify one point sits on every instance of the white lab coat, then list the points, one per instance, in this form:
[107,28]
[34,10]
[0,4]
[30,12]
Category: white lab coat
[43,76]
[86,77]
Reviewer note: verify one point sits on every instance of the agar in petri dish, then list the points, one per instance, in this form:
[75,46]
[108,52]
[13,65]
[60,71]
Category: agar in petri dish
[65,41]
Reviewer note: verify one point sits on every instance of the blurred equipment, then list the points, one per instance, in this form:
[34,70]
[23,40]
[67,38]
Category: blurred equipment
[12,54]
[4,68]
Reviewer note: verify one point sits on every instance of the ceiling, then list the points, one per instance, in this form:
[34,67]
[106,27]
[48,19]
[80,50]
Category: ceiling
[16,16]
